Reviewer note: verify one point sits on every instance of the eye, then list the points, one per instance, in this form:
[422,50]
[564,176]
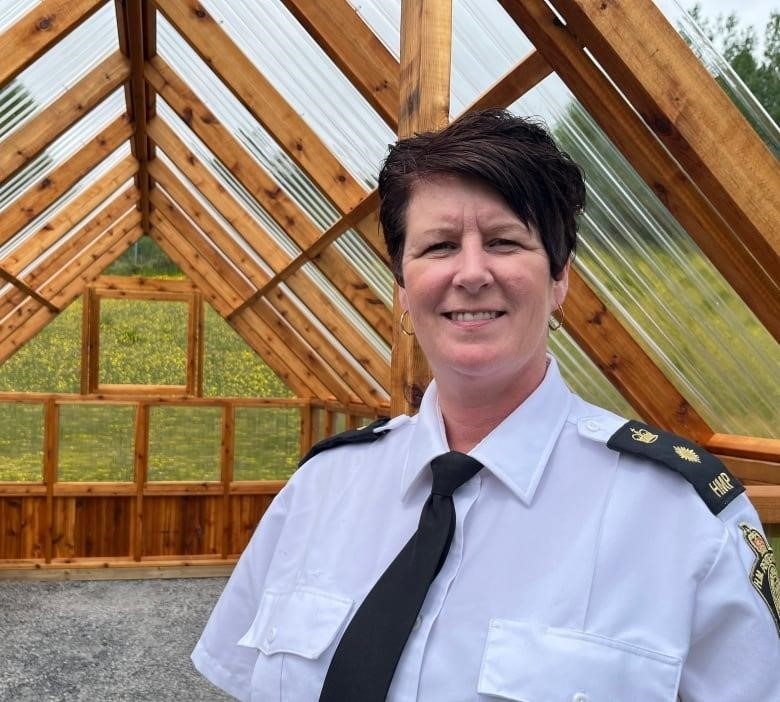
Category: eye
[440,247]
[503,245]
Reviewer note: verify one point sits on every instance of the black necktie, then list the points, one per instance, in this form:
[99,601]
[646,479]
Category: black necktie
[365,659]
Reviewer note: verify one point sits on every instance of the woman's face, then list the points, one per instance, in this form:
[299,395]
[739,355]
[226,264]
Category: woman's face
[477,285]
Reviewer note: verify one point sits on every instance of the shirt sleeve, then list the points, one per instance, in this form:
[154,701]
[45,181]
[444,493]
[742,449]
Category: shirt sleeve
[217,655]
[735,646]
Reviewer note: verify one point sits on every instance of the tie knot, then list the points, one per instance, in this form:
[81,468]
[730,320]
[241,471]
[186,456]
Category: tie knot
[451,470]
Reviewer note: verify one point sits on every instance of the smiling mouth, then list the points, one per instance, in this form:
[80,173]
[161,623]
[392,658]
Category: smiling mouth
[472,316]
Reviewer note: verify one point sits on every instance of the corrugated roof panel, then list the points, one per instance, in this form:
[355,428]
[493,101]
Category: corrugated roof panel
[349,312]
[69,59]
[226,226]
[234,116]
[64,146]
[226,178]
[372,269]
[60,203]
[293,62]
[655,279]
[11,11]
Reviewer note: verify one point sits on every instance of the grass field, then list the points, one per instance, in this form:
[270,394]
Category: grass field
[142,342]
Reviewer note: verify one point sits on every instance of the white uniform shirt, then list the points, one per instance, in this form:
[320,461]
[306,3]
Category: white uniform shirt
[575,572]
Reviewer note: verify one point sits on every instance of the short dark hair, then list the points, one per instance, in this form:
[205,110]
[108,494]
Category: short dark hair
[516,156]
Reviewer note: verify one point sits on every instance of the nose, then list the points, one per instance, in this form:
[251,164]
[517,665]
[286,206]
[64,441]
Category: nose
[472,268]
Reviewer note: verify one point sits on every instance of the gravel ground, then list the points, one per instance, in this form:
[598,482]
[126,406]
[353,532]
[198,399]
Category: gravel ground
[104,640]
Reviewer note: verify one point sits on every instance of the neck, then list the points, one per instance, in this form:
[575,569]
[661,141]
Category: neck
[471,409]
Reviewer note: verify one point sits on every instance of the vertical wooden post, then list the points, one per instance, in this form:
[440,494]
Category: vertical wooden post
[226,474]
[140,476]
[51,438]
[426,47]
[306,414]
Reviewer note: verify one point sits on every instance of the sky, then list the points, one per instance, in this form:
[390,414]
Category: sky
[749,12]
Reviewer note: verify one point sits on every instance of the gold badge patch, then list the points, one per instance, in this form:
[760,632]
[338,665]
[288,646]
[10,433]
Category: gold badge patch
[687,454]
[764,572]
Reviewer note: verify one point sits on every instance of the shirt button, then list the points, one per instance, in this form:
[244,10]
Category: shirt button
[270,634]
[590,426]
[580,697]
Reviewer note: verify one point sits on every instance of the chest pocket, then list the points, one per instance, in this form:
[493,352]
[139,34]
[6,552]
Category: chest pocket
[529,663]
[291,631]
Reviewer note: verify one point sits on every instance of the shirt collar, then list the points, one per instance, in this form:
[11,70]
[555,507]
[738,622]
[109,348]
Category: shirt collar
[516,451]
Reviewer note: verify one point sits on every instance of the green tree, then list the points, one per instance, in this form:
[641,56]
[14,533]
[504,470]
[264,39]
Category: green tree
[758,70]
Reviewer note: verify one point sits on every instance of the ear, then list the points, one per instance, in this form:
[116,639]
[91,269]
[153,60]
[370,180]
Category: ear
[560,286]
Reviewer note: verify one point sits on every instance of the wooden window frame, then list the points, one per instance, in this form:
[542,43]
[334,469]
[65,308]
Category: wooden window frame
[120,288]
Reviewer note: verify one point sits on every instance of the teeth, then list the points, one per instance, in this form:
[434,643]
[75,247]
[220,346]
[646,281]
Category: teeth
[473,316]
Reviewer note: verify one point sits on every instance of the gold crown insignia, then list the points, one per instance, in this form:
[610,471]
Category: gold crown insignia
[643,435]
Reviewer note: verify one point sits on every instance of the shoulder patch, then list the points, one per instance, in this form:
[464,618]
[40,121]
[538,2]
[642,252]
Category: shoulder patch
[711,479]
[763,575]
[363,435]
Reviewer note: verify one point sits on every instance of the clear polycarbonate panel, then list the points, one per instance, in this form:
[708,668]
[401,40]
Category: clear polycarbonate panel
[384,19]
[308,80]
[584,377]
[720,68]
[65,146]
[349,312]
[72,232]
[486,43]
[11,11]
[226,179]
[244,127]
[68,60]
[371,268]
[352,317]
[656,280]
[226,226]
[61,202]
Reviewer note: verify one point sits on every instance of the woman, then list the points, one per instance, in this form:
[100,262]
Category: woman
[580,567]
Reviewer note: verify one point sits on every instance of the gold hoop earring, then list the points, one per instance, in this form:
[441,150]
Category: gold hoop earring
[555,323]
[403,322]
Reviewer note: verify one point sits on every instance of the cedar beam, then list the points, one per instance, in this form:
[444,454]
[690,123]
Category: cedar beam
[26,142]
[750,278]
[40,195]
[626,365]
[690,113]
[355,49]
[264,189]
[258,95]
[426,48]
[38,31]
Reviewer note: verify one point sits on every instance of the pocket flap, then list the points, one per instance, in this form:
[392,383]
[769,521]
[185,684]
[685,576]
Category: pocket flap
[532,663]
[303,621]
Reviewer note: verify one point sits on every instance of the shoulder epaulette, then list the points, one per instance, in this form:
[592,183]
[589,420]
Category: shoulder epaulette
[363,435]
[710,478]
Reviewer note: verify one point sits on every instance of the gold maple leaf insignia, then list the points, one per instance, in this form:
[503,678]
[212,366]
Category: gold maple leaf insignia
[687,454]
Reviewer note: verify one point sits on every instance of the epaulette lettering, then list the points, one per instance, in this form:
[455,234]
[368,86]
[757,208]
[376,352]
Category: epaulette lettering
[711,479]
[363,435]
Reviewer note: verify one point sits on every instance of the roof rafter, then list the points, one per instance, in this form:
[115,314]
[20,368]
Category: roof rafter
[85,202]
[37,197]
[26,142]
[36,32]
[266,191]
[138,41]
[649,157]
[355,49]
[258,95]
[180,251]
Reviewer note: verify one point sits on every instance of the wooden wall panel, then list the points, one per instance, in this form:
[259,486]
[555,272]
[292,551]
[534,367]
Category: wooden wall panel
[182,526]
[22,527]
[87,527]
